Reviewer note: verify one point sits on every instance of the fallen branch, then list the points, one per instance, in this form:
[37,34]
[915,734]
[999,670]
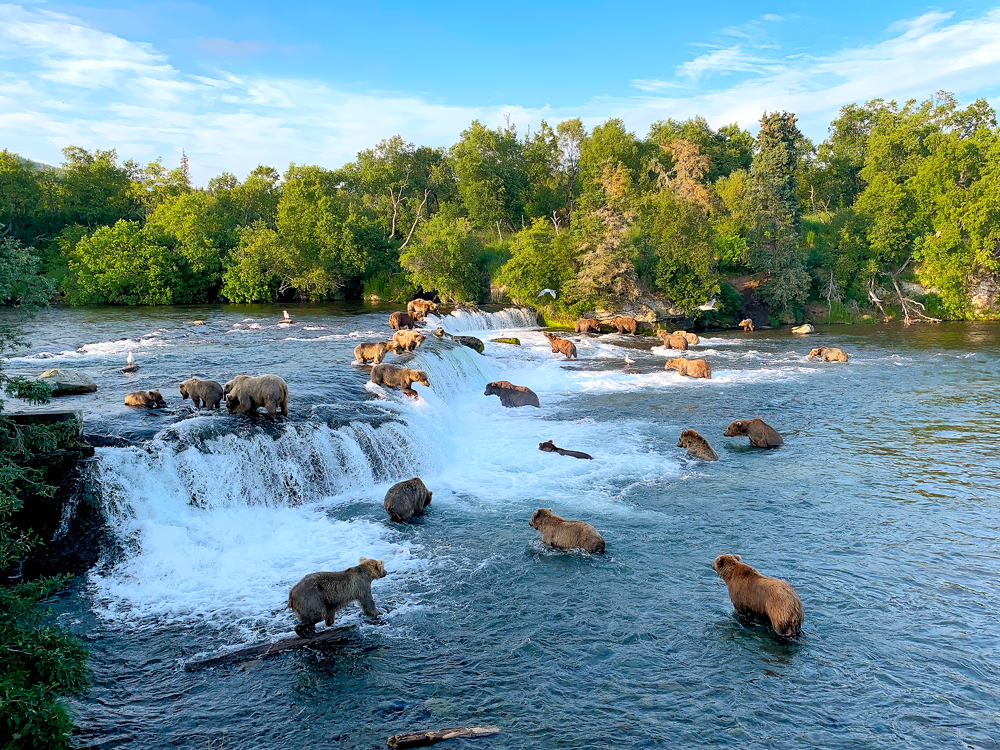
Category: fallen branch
[910,305]
[422,739]
[329,637]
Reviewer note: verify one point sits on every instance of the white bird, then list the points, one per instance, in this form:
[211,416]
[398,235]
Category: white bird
[629,360]
[548,291]
[130,365]
[129,361]
[286,319]
[707,306]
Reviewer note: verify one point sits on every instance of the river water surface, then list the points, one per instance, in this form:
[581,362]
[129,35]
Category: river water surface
[881,509]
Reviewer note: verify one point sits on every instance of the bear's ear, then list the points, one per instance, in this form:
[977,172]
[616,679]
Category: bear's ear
[737,557]
[363,559]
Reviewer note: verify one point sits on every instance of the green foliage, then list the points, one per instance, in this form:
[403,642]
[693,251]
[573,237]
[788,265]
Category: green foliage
[492,179]
[443,260]
[250,274]
[120,265]
[39,663]
[393,287]
[540,259]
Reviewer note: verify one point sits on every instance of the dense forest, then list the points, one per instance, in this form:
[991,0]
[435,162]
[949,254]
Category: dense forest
[896,213]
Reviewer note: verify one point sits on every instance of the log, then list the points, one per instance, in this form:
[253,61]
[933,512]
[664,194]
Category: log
[329,637]
[422,739]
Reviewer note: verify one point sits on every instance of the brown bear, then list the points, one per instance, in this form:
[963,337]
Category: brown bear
[408,340]
[319,596]
[697,446]
[398,320]
[245,394]
[147,399]
[756,595]
[829,354]
[673,340]
[692,338]
[761,435]
[562,534]
[549,447]
[561,346]
[623,324]
[512,395]
[406,499]
[206,393]
[692,368]
[422,306]
[399,377]
[375,351]
[746,324]
[587,325]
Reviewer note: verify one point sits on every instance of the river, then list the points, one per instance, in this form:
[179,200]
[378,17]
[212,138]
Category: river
[881,509]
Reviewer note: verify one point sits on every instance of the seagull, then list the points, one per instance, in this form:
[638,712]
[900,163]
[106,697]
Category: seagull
[130,365]
[548,291]
[629,360]
[286,319]
[710,305]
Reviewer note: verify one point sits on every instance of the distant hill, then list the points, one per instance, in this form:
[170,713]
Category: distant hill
[37,165]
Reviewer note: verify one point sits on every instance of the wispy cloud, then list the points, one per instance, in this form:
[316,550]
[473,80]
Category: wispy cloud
[64,82]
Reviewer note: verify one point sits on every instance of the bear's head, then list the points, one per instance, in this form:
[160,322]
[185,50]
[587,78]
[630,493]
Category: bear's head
[724,564]
[232,384]
[183,388]
[419,376]
[547,446]
[817,352]
[427,501]
[736,429]
[156,398]
[374,568]
[688,437]
[539,516]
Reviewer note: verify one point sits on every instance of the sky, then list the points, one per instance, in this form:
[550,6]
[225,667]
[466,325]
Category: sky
[237,84]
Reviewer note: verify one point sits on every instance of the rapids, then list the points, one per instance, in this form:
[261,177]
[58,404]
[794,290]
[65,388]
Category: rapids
[881,510]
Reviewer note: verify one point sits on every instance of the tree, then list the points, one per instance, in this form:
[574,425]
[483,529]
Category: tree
[250,274]
[39,663]
[571,134]
[606,270]
[20,197]
[443,260]
[95,191]
[120,265]
[490,168]
[774,234]
[729,147]
[610,145]
[540,259]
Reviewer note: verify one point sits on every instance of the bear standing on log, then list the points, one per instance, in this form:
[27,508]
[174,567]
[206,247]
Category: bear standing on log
[754,594]
[319,596]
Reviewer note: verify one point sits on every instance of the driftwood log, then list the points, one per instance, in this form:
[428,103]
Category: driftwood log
[422,739]
[329,637]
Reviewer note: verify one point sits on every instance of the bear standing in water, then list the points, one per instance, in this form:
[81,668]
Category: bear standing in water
[761,434]
[562,534]
[754,594]
[319,596]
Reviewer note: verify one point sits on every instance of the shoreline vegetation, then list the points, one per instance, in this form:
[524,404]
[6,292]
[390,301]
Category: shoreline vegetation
[893,216]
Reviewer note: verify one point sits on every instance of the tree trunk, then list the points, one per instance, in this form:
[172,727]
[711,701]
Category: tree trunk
[423,739]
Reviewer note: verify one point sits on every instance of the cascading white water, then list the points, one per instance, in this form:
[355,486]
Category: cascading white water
[462,320]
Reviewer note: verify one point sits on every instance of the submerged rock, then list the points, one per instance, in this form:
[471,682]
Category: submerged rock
[515,342]
[68,382]
[470,341]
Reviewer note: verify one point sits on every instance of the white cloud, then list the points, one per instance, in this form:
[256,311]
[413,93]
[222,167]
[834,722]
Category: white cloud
[68,83]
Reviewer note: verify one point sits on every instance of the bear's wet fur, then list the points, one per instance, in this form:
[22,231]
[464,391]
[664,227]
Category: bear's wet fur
[757,595]
[406,499]
[829,354]
[512,395]
[761,434]
[673,340]
[245,394]
[623,324]
[422,306]
[587,325]
[146,399]
[549,447]
[399,377]
[408,340]
[206,393]
[691,368]
[375,351]
[561,346]
[319,596]
[400,320]
[562,534]
[697,446]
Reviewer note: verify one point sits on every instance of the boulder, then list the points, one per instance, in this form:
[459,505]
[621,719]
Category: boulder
[512,341]
[68,382]
[470,341]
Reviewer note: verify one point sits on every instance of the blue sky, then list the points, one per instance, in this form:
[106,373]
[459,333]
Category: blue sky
[237,84]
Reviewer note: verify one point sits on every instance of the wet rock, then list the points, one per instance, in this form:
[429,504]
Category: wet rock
[68,382]
[514,342]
